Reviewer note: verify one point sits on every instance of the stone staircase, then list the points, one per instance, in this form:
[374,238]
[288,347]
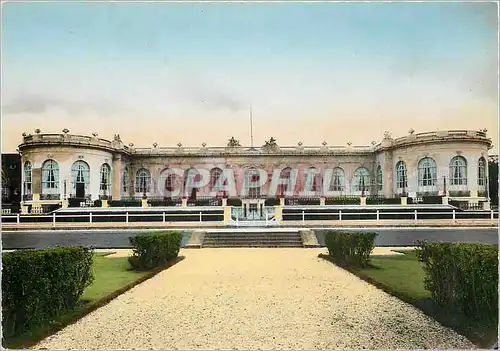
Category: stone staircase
[250,237]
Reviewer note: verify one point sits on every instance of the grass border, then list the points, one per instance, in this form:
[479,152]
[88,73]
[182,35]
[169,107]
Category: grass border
[80,312]
[479,343]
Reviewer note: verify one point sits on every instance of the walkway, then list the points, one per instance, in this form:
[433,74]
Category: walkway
[255,299]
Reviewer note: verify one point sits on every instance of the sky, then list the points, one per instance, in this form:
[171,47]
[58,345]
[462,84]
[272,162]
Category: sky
[188,72]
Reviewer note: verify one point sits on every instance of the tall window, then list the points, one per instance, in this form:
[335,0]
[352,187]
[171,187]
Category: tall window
[427,172]
[338,180]
[380,178]
[27,178]
[125,180]
[143,181]
[105,183]
[215,182]
[80,172]
[50,176]
[481,172]
[285,179]
[458,171]
[361,179]
[315,180]
[191,176]
[401,175]
[252,176]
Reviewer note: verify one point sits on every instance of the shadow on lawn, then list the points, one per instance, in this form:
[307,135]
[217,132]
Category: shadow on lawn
[482,333]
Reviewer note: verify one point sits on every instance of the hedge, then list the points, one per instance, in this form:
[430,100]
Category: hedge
[375,200]
[124,203]
[154,249]
[463,276]
[343,200]
[38,285]
[350,248]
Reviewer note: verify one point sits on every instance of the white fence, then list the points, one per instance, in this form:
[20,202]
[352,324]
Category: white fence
[200,217]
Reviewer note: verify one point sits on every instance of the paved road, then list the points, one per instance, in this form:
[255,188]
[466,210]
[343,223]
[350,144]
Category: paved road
[118,238]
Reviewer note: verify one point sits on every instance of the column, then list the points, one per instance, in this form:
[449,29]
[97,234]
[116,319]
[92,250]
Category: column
[388,171]
[117,177]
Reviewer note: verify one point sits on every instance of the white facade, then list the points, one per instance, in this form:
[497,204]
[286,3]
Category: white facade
[440,148]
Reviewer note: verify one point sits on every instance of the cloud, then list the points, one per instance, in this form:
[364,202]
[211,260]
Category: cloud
[39,104]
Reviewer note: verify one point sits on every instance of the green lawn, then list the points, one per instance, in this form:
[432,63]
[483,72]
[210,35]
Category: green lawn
[403,276]
[112,276]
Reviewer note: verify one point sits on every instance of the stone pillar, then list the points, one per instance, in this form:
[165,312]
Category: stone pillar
[278,213]
[144,203]
[24,209]
[104,203]
[404,201]
[227,214]
[486,206]
[224,201]
[388,171]
[64,203]
[36,183]
[322,201]
[445,200]
[117,177]
[362,200]
[184,202]
[282,201]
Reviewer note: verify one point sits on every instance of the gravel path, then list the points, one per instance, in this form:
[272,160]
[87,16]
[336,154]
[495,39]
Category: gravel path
[255,299]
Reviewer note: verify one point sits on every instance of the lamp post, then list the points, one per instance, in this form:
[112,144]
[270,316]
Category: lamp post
[444,186]
[65,187]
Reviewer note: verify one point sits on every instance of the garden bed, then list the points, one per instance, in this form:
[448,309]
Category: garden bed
[403,277]
[112,277]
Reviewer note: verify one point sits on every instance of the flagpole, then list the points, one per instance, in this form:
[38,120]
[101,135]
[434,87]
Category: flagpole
[251,127]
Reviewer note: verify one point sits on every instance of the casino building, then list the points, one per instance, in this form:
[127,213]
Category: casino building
[59,168]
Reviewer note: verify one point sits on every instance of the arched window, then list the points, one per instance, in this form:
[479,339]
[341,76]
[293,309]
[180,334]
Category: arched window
[251,177]
[380,178]
[401,175]
[284,185]
[50,177]
[191,176]
[80,172]
[427,172]
[361,179]
[105,178]
[143,181]
[481,172]
[316,180]
[338,180]
[217,183]
[27,178]
[458,171]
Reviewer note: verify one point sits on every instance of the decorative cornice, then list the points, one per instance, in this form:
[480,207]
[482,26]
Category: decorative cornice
[270,148]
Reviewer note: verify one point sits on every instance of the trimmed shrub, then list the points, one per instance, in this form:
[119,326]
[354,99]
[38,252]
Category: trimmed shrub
[125,203]
[38,285]
[343,200]
[350,248]
[463,276]
[154,249]
[432,199]
[375,200]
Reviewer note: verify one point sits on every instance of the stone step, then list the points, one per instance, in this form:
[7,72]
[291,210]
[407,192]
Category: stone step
[241,238]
